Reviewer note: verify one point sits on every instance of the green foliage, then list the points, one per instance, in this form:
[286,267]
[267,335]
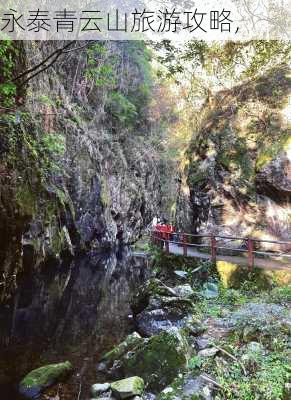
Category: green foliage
[279,295]
[195,362]
[266,381]
[100,66]
[49,151]
[46,100]
[108,70]
[122,109]
[43,150]
[143,245]
[231,296]
[224,58]
[7,87]
[271,150]
[264,53]
[140,56]
[53,144]
[258,341]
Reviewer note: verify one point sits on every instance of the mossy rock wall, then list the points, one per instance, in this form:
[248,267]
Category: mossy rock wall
[74,176]
[238,162]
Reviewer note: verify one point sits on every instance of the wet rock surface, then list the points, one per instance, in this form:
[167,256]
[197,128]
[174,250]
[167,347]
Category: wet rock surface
[152,322]
[160,308]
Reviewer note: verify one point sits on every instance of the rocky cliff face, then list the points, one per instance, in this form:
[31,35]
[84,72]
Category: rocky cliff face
[77,170]
[237,180]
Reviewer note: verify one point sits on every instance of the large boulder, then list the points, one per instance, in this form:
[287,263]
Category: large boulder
[158,307]
[163,313]
[157,360]
[41,378]
[130,343]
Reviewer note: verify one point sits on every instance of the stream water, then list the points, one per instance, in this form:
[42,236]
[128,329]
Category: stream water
[73,311]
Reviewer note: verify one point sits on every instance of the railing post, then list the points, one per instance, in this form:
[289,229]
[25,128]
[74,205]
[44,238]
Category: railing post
[213,248]
[184,240]
[250,255]
[167,243]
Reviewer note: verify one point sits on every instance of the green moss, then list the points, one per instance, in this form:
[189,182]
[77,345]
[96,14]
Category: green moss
[159,360]
[65,200]
[271,150]
[26,200]
[142,245]
[171,262]
[127,345]
[58,241]
[45,376]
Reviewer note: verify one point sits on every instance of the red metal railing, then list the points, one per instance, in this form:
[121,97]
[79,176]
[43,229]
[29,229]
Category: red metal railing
[252,246]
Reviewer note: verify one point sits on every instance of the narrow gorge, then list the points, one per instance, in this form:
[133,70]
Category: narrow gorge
[107,146]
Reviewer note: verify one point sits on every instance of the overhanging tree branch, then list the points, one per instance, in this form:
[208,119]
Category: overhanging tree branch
[55,55]
[34,68]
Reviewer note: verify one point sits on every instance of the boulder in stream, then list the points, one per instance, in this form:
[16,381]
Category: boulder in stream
[128,387]
[163,313]
[118,351]
[41,378]
[153,322]
[157,360]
